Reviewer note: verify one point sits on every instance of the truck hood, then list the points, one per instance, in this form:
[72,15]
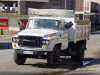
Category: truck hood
[37,32]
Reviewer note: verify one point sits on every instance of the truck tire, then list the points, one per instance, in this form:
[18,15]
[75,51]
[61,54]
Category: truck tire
[50,58]
[82,48]
[54,57]
[79,56]
[19,59]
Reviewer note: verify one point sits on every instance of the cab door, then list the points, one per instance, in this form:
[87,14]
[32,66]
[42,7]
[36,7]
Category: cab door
[63,37]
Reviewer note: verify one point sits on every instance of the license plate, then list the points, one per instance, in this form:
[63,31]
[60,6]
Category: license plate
[28,52]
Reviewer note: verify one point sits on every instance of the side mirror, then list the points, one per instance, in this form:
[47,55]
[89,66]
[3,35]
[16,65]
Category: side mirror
[68,25]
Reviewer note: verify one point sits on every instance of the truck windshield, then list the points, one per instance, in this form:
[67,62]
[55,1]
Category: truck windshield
[43,23]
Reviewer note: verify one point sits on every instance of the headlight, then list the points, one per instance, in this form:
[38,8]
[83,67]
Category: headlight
[45,41]
[15,39]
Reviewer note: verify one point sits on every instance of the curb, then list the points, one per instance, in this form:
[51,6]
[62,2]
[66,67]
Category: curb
[5,45]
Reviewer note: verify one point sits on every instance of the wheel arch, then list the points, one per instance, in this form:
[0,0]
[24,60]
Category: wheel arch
[57,45]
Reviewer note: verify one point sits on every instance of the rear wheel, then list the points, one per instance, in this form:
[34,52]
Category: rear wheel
[19,59]
[78,58]
[80,50]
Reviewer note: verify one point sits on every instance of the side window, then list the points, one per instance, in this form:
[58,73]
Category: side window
[79,17]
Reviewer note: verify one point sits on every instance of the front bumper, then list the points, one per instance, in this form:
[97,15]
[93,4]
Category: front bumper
[32,53]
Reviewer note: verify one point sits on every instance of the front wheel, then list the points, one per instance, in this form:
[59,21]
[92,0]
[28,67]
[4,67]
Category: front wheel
[50,58]
[54,57]
[19,59]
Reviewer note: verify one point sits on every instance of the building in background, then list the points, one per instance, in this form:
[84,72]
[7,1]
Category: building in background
[81,7]
[62,4]
[20,7]
[8,6]
[13,9]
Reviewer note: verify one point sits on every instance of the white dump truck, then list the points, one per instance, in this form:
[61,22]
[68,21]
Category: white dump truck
[50,34]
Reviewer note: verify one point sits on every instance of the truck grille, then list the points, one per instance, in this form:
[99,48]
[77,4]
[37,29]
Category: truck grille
[30,41]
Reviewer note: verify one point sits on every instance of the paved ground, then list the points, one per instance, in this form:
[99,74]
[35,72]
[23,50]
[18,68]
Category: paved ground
[39,67]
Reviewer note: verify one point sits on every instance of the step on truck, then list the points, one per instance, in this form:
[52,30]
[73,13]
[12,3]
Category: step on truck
[50,34]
